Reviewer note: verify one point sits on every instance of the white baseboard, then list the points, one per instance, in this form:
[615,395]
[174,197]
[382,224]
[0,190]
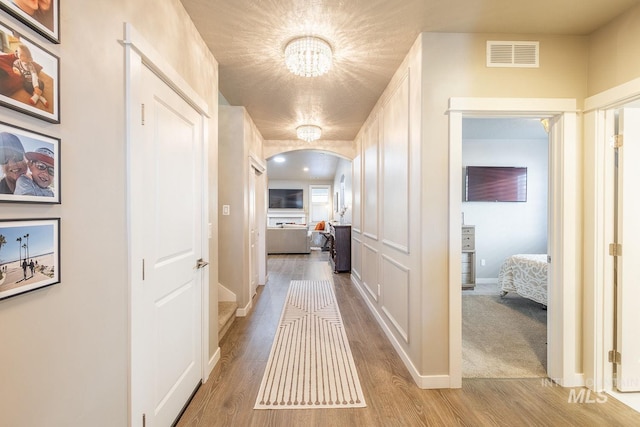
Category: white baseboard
[243,311]
[422,381]
[224,294]
[212,364]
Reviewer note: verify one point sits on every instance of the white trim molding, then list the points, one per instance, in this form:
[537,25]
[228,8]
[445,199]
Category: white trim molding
[564,223]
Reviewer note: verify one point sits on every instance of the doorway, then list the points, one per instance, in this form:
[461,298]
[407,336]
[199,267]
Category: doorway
[563,299]
[504,213]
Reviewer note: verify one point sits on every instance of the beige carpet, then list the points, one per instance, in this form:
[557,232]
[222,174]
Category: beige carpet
[310,365]
[503,337]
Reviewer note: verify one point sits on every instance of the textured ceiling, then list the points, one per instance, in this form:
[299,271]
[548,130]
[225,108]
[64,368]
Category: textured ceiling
[370,38]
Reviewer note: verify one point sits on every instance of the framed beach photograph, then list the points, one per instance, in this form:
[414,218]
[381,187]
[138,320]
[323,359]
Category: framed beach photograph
[29,76]
[43,16]
[29,166]
[29,255]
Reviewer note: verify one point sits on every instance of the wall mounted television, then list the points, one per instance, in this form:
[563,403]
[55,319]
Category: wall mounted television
[285,198]
[496,184]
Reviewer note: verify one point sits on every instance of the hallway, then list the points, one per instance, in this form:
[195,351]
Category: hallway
[392,397]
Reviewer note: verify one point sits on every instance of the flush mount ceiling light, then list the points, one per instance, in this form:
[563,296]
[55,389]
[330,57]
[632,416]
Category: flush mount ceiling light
[309,132]
[308,56]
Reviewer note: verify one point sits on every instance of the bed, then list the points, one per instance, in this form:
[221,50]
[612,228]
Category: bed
[525,274]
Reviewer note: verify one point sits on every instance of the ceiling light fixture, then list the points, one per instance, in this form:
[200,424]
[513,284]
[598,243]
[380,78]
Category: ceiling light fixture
[308,56]
[309,132]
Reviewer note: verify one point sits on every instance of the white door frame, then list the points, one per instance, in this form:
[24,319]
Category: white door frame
[257,168]
[139,53]
[598,266]
[563,348]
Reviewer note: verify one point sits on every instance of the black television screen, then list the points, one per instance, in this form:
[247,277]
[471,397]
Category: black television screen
[285,198]
[496,184]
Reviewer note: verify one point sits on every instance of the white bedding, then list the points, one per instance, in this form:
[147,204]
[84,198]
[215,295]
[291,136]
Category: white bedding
[525,274]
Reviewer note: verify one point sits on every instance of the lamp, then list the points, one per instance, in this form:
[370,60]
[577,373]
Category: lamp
[309,132]
[308,56]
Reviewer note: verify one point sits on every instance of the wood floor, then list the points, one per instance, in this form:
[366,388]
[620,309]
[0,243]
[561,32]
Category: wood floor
[392,397]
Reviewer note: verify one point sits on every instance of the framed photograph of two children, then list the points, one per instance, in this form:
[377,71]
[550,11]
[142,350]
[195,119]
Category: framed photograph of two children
[29,76]
[29,166]
[41,15]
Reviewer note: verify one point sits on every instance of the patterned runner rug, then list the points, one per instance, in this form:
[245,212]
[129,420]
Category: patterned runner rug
[310,365]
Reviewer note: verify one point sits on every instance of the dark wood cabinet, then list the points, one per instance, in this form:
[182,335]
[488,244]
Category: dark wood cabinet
[340,247]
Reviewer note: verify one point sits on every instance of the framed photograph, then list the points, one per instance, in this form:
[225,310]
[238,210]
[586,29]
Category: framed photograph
[29,166]
[41,15]
[29,255]
[29,76]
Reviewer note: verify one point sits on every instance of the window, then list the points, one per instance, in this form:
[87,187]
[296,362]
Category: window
[320,203]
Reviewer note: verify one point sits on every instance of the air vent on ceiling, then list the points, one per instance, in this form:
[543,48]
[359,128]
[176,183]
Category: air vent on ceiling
[513,54]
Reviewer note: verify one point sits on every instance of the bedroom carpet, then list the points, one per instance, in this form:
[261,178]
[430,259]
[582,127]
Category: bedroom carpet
[310,365]
[503,337]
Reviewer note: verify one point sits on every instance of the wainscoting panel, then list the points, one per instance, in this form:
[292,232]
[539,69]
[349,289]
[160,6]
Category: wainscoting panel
[395,167]
[356,255]
[370,185]
[370,271]
[356,183]
[395,294]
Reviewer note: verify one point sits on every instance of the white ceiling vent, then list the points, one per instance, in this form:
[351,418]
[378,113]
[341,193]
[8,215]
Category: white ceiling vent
[513,54]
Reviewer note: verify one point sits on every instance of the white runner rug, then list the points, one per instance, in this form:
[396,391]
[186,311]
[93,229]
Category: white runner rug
[310,365]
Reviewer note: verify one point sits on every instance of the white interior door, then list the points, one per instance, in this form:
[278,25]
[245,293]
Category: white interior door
[628,268]
[166,170]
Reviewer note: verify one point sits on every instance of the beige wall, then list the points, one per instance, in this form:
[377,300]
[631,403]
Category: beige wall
[614,57]
[64,358]
[238,140]
[453,65]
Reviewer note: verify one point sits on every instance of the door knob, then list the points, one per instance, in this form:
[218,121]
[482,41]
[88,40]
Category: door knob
[200,263]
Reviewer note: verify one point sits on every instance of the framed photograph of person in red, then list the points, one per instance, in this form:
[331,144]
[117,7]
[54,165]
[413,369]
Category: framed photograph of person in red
[29,166]
[29,255]
[41,15]
[29,76]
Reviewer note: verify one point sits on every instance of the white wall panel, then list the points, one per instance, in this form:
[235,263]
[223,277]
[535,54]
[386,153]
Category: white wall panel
[356,255]
[370,270]
[395,168]
[370,187]
[395,294]
[356,214]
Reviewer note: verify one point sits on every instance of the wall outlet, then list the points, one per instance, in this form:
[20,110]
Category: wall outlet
[482,262]
[225,209]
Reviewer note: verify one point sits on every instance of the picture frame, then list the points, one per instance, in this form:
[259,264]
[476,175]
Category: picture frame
[34,155]
[45,20]
[16,77]
[29,255]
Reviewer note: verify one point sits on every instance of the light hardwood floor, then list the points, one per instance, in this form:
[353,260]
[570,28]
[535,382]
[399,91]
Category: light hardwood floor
[392,397]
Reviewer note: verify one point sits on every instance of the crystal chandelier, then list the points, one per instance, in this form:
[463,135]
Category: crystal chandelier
[308,56]
[308,132]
